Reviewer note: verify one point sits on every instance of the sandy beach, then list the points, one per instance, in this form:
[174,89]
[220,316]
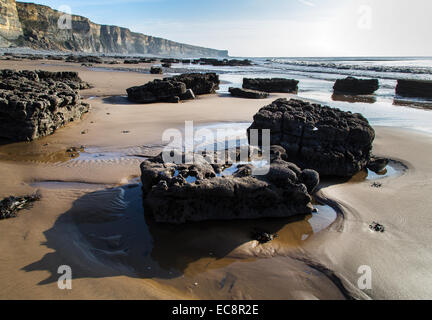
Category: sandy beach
[91,216]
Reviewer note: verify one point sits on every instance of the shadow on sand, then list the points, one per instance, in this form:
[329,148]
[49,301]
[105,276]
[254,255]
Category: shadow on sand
[106,233]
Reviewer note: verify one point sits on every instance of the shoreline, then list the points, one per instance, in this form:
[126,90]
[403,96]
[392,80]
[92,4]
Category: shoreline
[34,244]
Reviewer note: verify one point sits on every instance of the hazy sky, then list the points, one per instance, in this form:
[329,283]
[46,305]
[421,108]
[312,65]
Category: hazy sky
[274,27]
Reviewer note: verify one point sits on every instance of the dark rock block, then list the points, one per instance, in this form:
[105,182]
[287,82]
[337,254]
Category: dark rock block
[157,91]
[248,94]
[377,164]
[327,140]
[36,103]
[200,83]
[356,86]
[180,193]
[271,85]
[156,70]
[414,88]
[165,90]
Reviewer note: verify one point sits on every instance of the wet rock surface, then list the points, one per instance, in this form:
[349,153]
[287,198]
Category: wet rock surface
[327,140]
[10,206]
[36,103]
[247,93]
[377,164]
[156,70]
[354,86]
[414,88]
[175,89]
[263,236]
[271,85]
[197,192]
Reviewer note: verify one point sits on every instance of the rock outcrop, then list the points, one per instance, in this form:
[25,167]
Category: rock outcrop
[248,94]
[157,91]
[414,88]
[36,103]
[200,83]
[156,70]
[271,85]
[175,89]
[354,86]
[36,26]
[328,140]
[181,193]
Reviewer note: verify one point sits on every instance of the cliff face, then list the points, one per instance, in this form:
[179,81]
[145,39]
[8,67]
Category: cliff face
[10,26]
[38,25]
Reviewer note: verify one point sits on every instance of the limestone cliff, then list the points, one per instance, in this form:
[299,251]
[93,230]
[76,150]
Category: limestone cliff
[10,26]
[37,27]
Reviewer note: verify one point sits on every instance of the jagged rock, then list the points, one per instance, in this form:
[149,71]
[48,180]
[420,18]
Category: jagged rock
[355,86]
[327,140]
[377,164]
[156,70]
[10,206]
[271,85]
[249,94]
[414,88]
[84,59]
[166,65]
[200,83]
[180,193]
[224,62]
[169,89]
[157,91]
[36,103]
[131,61]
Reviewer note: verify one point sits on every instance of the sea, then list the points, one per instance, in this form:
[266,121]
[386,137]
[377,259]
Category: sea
[317,77]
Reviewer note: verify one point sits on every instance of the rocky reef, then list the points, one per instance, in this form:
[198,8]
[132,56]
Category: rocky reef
[328,140]
[247,93]
[414,88]
[271,85]
[36,103]
[354,86]
[36,26]
[198,192]
[175,89]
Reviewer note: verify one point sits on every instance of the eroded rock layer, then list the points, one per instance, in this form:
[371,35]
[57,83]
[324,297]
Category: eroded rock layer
[36,103]
[197,192]
[328,140]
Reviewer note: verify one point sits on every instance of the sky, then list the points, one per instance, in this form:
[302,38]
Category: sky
[274,28]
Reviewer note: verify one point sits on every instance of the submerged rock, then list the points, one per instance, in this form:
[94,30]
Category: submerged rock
[34,104]
[247,93]
[271,85]
[355,86]
[196,192]
[414,88]
[10,206]
[377,164]
[329,141]
[263,237]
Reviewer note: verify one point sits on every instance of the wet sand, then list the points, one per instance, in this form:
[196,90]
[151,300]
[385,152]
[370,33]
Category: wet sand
[91,216]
